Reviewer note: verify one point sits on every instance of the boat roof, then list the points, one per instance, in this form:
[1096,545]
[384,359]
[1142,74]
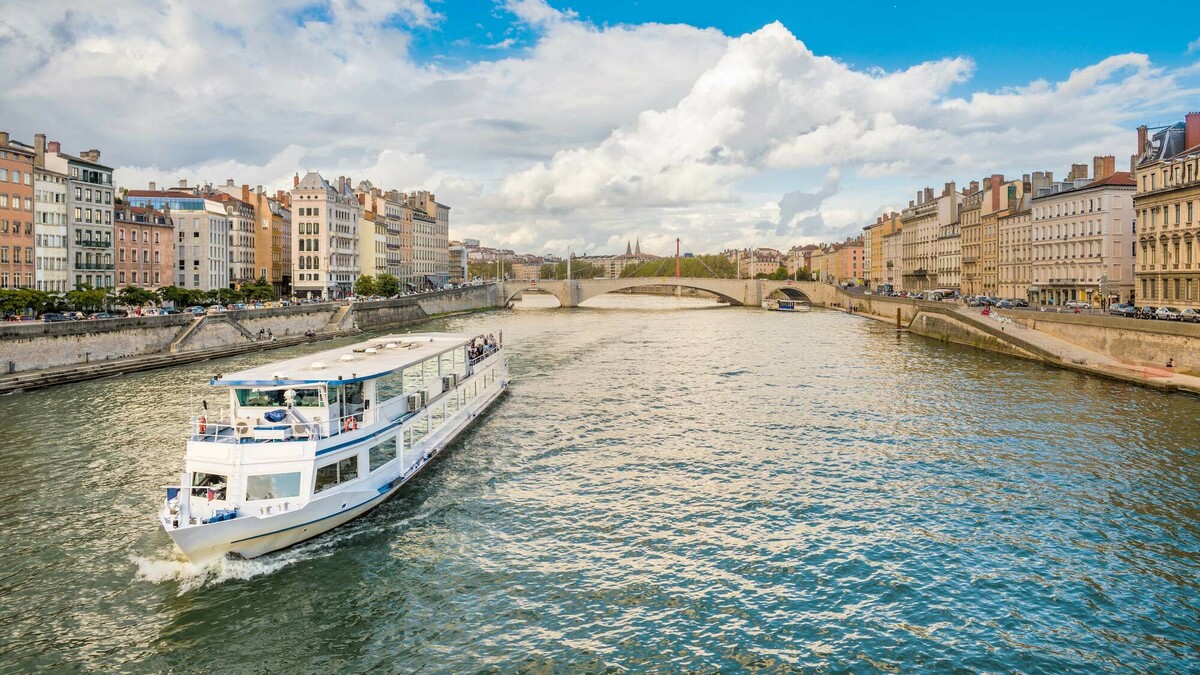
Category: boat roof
[351,363]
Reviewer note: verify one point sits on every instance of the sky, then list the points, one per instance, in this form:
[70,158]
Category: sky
[579,125]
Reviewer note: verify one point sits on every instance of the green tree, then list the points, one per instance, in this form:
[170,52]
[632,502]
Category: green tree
[22,300]
[701,266]
[229,295]
[487,269]
[365,285]
[579,270]
[258,290]
[132,296]
[388,285]
[85,298]
[179,297]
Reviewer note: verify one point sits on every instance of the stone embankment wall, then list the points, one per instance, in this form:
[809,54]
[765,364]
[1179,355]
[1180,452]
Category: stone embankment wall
[32,346]
[1147,343]
[38,346]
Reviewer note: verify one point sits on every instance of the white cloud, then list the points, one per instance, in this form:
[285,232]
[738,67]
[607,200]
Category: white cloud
[588,137]
[1194,46]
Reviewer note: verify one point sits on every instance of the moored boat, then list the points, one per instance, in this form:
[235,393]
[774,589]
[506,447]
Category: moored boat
[312,442]
[783,305]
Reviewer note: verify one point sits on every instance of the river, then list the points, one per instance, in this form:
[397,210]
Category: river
[668,485]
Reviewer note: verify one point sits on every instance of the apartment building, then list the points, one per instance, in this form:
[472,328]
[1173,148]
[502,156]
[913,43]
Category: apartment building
[17,238]
[1167,203]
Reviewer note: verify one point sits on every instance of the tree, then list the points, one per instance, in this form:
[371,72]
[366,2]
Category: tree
[701,266]
[579,270]
[228,296]
[178,297]
[132,296]
[388,285]
[84,298]
[258,290]
[365,285]
[22,300]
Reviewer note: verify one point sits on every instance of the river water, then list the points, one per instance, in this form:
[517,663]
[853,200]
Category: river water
[669,485]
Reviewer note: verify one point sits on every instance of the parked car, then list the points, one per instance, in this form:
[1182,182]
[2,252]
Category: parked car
[51,317]
[1147,312]
[105,315]
[1122,309]
[1078,304]
[196,310]
[1167,314]
[1020,303]
[1005,304]
[1190,314]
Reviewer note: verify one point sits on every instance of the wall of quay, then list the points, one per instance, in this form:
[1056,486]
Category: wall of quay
[1140,342]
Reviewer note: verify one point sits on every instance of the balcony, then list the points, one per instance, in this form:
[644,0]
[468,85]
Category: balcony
[94,266]
[969,258]
[93,243]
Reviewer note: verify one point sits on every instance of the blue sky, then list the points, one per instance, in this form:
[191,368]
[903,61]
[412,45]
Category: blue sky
[1026,41]
[550,125]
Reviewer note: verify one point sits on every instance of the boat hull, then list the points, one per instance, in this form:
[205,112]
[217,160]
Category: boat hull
[251,536]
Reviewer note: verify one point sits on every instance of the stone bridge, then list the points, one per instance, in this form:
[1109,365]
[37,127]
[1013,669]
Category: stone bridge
[736,291]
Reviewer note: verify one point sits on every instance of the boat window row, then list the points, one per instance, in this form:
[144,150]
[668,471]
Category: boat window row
[336,473]
[417,375]
[273,486]
[308,397]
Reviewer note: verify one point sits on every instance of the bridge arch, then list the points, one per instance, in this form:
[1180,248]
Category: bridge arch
[552,288]
[787,293]
[733,293]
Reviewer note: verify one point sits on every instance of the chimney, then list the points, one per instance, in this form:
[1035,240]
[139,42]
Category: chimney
[1078,171]
[55,147]
[928,195]
[949,189]
[1143,132]
[995,182]
[39,149]
[183,183]
[1191,134]
[245,193]
[258,190]
[1110,165]
[153,186]
[974,186]
[3,138]
[92,155]
[296,180]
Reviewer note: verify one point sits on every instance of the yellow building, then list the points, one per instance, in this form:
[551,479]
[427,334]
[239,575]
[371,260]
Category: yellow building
[970,231]
[1167,207]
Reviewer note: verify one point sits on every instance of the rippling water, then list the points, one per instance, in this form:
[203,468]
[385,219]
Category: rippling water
[669,485]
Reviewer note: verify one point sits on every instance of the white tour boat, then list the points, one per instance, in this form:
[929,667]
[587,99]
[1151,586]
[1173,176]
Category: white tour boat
[312,442]
[783,305]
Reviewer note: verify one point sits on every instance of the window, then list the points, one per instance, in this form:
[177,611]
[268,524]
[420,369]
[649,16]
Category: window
[336,473]
[383,453]
[273,486]
[203,482]
[305,398]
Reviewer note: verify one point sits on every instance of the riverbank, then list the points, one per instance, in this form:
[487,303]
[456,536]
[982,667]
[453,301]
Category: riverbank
[42,355]
[1015,333]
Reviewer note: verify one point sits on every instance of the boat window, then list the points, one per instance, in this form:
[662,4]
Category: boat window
[430,367]
[437,417]
[446,363]
[452,406]
[383,453]
[269,398]
[205,481]
[389,386]
[332,474]
[460,356]
[273,486]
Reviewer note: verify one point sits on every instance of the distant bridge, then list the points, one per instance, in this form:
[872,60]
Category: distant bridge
[736,291]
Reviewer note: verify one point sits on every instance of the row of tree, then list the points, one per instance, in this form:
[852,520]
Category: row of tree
[385,284]
[85,298]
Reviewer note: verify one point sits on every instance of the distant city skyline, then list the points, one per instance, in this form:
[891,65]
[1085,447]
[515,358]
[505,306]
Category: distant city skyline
[581,125]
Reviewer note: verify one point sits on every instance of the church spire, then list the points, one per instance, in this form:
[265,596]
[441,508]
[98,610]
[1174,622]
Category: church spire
[638,250]
[628,250]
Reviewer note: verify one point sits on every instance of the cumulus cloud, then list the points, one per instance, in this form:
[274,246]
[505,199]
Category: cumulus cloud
[589,136]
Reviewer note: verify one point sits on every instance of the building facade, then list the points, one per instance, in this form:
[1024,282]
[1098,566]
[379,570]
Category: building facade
[919,224]
[201,234]
[970,231]
[431,240]
[17,237]
[1015,266]
[50,231]
[325,241]
[145,246]
[1167,204]
[89,213]
[1082,240]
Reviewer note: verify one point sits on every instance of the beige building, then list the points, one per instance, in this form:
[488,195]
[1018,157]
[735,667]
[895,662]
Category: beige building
[949,253]
[325,242]
[431,240]
[970,230]
[893,252]
[50,231]
[1082,238]
[201,234]
[242,219]
[1015,267]
[924,224]
[89,212]
[1000,198]
[1167,204]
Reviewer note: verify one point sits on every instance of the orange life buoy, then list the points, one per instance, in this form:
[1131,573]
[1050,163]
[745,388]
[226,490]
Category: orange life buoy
[203,424]
[351,423]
